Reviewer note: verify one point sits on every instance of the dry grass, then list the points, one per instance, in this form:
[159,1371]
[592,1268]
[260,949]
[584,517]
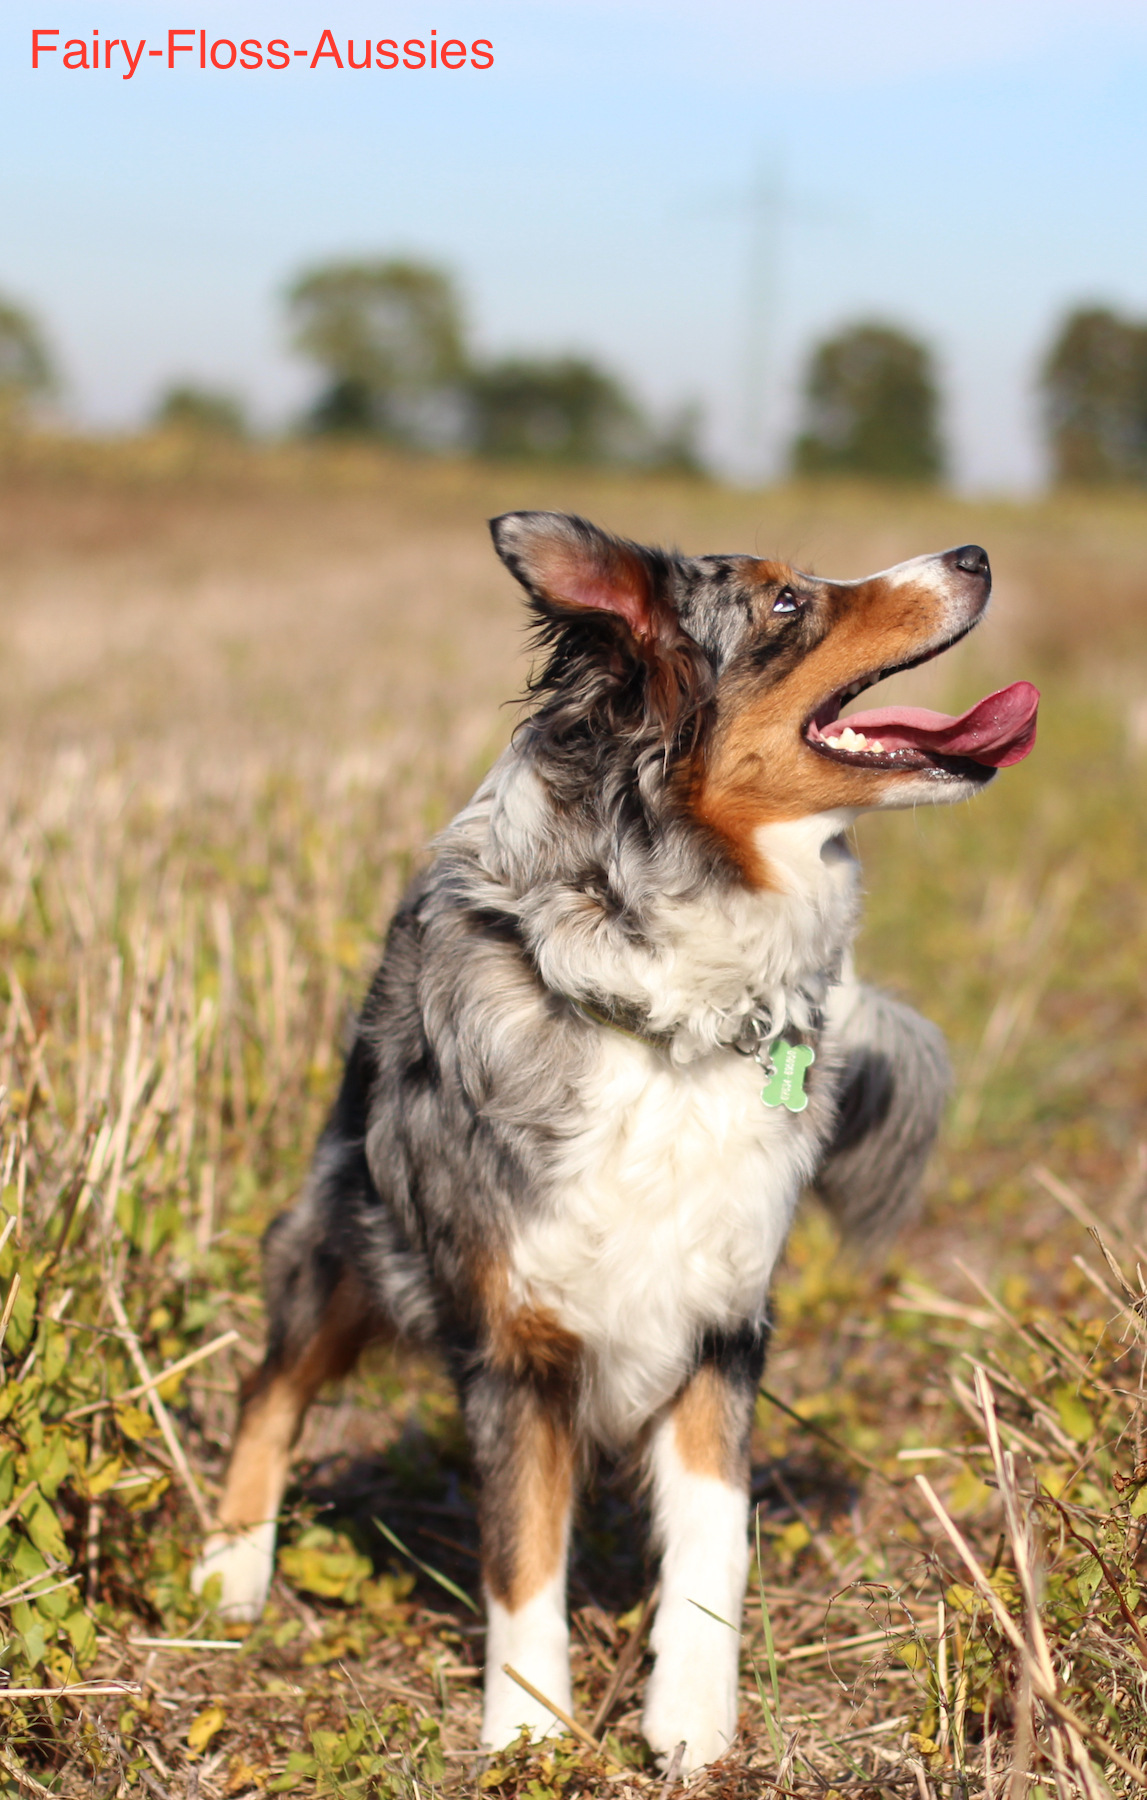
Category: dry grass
[236,696]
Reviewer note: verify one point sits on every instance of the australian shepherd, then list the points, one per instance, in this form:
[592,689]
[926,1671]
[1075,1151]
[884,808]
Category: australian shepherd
[614,1033]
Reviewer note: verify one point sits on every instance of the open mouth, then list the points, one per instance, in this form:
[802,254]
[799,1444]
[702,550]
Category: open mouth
[997,731]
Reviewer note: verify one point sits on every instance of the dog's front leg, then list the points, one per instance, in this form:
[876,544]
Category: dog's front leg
[700,1466]
[524,1449]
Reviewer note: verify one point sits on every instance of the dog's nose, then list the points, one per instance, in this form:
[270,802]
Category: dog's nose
[969,559]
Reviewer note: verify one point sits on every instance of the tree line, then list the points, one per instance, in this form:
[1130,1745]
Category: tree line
[387,340]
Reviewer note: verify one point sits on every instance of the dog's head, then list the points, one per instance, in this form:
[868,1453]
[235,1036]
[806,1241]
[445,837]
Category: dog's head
[738,668]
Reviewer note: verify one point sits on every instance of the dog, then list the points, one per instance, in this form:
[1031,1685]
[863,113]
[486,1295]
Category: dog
[614,1033]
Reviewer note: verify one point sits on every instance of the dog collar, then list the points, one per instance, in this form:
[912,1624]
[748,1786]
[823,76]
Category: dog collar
[756,1037]
[785,1063]
[625,1019]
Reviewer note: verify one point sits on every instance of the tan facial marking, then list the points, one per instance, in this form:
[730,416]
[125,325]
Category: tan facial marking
[757,769]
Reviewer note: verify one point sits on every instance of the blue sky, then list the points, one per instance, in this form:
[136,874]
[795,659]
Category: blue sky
[969,172]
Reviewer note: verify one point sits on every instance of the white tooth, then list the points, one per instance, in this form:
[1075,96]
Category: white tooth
[859,741]
[877,746]
[833,743]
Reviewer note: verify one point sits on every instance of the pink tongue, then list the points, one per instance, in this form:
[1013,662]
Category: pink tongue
[997,731]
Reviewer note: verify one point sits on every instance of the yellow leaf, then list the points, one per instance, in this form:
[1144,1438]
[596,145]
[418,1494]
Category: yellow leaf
[241,1774]
[969,1494]
[49,1465]
[103,1476]
[1052,1477]
[143,1498]
[809,1405]
[82,1633]
[1004,1583]
[204,1726]
[794,1537]
[23,1319]
[324,1562]
[335,1646]
[135,1423]
[962,1599]
[1073,1414]
[43,1527]
[61,1665]
[384,1597]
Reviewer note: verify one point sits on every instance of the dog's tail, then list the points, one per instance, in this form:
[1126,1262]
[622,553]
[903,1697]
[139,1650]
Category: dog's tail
[895,1082]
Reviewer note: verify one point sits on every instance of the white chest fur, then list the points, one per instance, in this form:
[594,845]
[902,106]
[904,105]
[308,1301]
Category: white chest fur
[669,1212]
[672,1202]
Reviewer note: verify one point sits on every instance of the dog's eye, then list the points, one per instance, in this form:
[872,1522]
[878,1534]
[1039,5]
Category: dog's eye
[786,602]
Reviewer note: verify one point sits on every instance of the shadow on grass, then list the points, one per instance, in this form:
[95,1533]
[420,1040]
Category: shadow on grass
[423,1488]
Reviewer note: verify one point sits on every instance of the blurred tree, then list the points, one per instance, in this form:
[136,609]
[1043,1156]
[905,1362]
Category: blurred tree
[25,366]
[676,448]
[186,407]
[1094,384]
[871,408]
[388,337]
[562,410]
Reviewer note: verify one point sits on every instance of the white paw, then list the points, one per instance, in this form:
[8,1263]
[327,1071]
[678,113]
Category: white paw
[534,1641]
[694,1705]
[245,1559]
[696,1636]
[508,1707]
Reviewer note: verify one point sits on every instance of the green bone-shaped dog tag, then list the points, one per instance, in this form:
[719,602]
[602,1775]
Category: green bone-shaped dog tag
[785,1087]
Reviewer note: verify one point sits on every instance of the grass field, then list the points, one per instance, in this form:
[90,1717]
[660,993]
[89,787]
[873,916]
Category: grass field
[238,692]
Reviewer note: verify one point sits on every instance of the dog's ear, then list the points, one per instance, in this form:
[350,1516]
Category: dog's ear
[568,566]
[616,653]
